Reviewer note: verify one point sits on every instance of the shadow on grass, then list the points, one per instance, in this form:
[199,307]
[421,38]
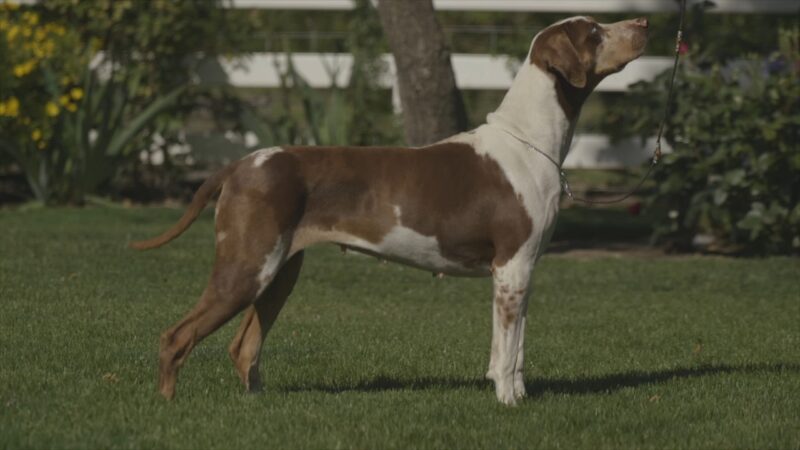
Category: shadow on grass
[615,382]
[540,386]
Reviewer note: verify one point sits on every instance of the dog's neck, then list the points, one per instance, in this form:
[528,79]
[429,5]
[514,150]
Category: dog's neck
[531,111]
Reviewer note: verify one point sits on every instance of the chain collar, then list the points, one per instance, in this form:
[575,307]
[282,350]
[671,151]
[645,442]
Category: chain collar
[561,175]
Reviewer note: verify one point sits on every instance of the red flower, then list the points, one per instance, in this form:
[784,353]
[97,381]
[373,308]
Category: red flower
[634,209]
[683,48]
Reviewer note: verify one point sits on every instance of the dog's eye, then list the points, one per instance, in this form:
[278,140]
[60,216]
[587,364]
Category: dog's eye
[594,29]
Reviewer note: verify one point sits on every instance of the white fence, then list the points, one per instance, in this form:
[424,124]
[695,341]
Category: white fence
[472,72]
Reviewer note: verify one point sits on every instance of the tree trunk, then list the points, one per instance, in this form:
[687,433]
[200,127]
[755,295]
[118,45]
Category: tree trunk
[432,105]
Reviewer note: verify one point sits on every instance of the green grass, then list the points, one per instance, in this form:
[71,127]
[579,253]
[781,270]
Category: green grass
[689,352]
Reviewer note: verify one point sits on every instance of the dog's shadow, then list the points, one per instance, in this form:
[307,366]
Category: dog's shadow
[540,386]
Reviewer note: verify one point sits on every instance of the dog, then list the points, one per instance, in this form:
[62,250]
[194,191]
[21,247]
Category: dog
[480,203]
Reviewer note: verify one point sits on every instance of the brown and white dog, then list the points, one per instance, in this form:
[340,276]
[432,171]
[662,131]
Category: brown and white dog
[481,203]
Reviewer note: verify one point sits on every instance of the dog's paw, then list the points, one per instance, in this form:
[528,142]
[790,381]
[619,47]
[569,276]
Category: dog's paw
[505,394]
[507,399]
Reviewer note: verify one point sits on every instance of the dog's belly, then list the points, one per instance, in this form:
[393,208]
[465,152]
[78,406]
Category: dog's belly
[405,246]
[410,247]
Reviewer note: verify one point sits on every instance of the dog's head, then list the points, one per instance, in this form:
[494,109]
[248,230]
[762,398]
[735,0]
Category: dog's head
[582,52]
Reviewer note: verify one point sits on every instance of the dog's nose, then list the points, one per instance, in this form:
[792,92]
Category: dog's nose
[642,22]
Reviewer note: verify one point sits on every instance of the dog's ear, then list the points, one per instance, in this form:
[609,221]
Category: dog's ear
[562,56]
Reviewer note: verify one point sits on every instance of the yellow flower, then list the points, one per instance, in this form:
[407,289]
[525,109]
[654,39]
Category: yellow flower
[10,107]
[11,6]
[55,28]
[12,33]
[41,145]
[51,109]
[31,17]
[20,70]
[64,100]
[36,134]
[76,93]
[47,48]
[71,107]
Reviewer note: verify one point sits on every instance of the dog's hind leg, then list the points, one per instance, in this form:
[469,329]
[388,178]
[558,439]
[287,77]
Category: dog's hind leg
[511,284]
[222,299]
[245,349]
[258,209]
[235,283]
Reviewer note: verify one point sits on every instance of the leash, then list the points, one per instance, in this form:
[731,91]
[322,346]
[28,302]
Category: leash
[656,153]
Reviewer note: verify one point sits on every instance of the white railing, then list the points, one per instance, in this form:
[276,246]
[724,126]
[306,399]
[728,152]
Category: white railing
[472,72]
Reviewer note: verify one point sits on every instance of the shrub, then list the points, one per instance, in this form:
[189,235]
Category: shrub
[734,171]
[84,84]
[33,99]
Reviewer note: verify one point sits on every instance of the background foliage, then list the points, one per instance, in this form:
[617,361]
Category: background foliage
[734,128]
[359,113]
[87,83]
[39,85]
[132,68]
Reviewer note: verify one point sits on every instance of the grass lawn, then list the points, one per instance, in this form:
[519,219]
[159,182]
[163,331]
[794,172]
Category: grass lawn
[678,352]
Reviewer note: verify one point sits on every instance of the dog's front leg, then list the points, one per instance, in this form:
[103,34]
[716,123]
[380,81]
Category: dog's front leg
[491,373]
[519,377]
[511,283]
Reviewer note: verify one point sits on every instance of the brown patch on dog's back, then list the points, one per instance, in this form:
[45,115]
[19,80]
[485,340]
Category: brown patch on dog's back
[446,191]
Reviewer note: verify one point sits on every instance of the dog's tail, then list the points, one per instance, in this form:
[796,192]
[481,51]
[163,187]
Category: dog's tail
[199,201]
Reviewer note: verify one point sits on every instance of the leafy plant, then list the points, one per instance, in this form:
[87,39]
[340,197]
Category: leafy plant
[735,169]
[33,100]
[88,82]
[358,114]
[298,114]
